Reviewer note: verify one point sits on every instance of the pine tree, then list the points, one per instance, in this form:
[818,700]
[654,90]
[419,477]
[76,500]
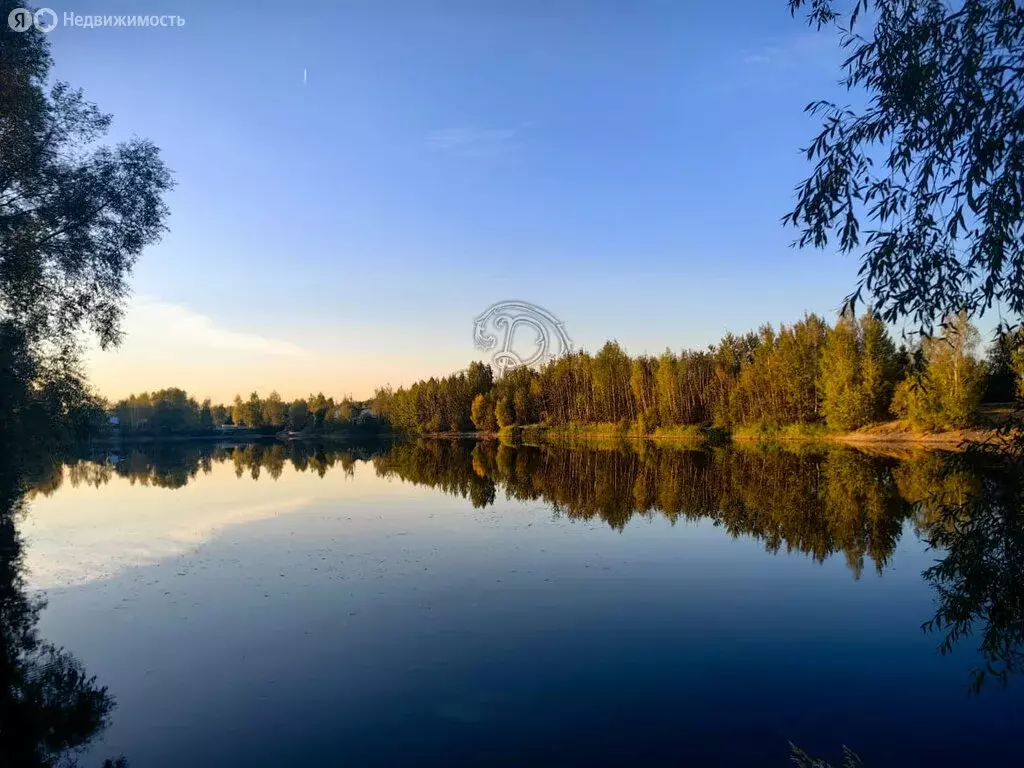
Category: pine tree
[880,366]
[1003,372]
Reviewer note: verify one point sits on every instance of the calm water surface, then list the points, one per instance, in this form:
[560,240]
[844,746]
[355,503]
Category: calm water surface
[451,604]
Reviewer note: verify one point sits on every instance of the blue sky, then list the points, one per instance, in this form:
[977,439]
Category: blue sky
[623,164]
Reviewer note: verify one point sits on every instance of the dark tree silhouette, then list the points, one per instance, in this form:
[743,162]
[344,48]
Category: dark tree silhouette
[979,582]
[74,214]
[74,217]
[50,708]
[927,178]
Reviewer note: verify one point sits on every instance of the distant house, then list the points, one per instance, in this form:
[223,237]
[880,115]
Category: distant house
[361,414]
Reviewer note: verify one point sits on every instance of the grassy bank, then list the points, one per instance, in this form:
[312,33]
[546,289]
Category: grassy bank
[888,433]
[604,432]
[882,436]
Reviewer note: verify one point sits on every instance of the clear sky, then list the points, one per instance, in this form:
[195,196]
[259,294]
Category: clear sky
[622,164]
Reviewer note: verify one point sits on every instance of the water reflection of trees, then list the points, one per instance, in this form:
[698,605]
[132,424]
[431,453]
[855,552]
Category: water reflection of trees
[969,508]
[815,503]
[50,708]
[820,503]
[979,581]
[176,464]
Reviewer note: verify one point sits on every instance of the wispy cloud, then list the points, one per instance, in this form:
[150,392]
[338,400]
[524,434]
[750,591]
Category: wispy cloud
[186,325]
[473,142]
[809,49]
[764,56]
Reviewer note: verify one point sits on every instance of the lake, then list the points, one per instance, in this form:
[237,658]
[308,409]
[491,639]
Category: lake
[455,603]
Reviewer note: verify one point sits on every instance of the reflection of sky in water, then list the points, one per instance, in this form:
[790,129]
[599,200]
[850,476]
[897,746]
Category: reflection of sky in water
[83,533]
[368,621]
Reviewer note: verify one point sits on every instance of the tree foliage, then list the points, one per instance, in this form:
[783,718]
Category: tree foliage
[806,373]
[436,405]
[483,414]
[298,414]
[780,384]
[951,390]
[926,180]
[74,214]
[1005,367]
[273,410]
[173,410]
[165,410]
[859,367]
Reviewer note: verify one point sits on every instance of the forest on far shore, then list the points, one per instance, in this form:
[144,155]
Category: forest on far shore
[838,378]
[835,378]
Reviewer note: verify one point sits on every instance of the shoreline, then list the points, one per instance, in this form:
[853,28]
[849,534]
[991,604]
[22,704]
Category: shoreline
[878,435]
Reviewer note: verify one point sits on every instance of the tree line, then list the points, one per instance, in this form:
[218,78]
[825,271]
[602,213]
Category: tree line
[839,377]
[173,410]
[842,377]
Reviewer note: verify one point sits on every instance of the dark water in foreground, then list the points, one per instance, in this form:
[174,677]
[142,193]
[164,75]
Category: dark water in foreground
[453,604]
